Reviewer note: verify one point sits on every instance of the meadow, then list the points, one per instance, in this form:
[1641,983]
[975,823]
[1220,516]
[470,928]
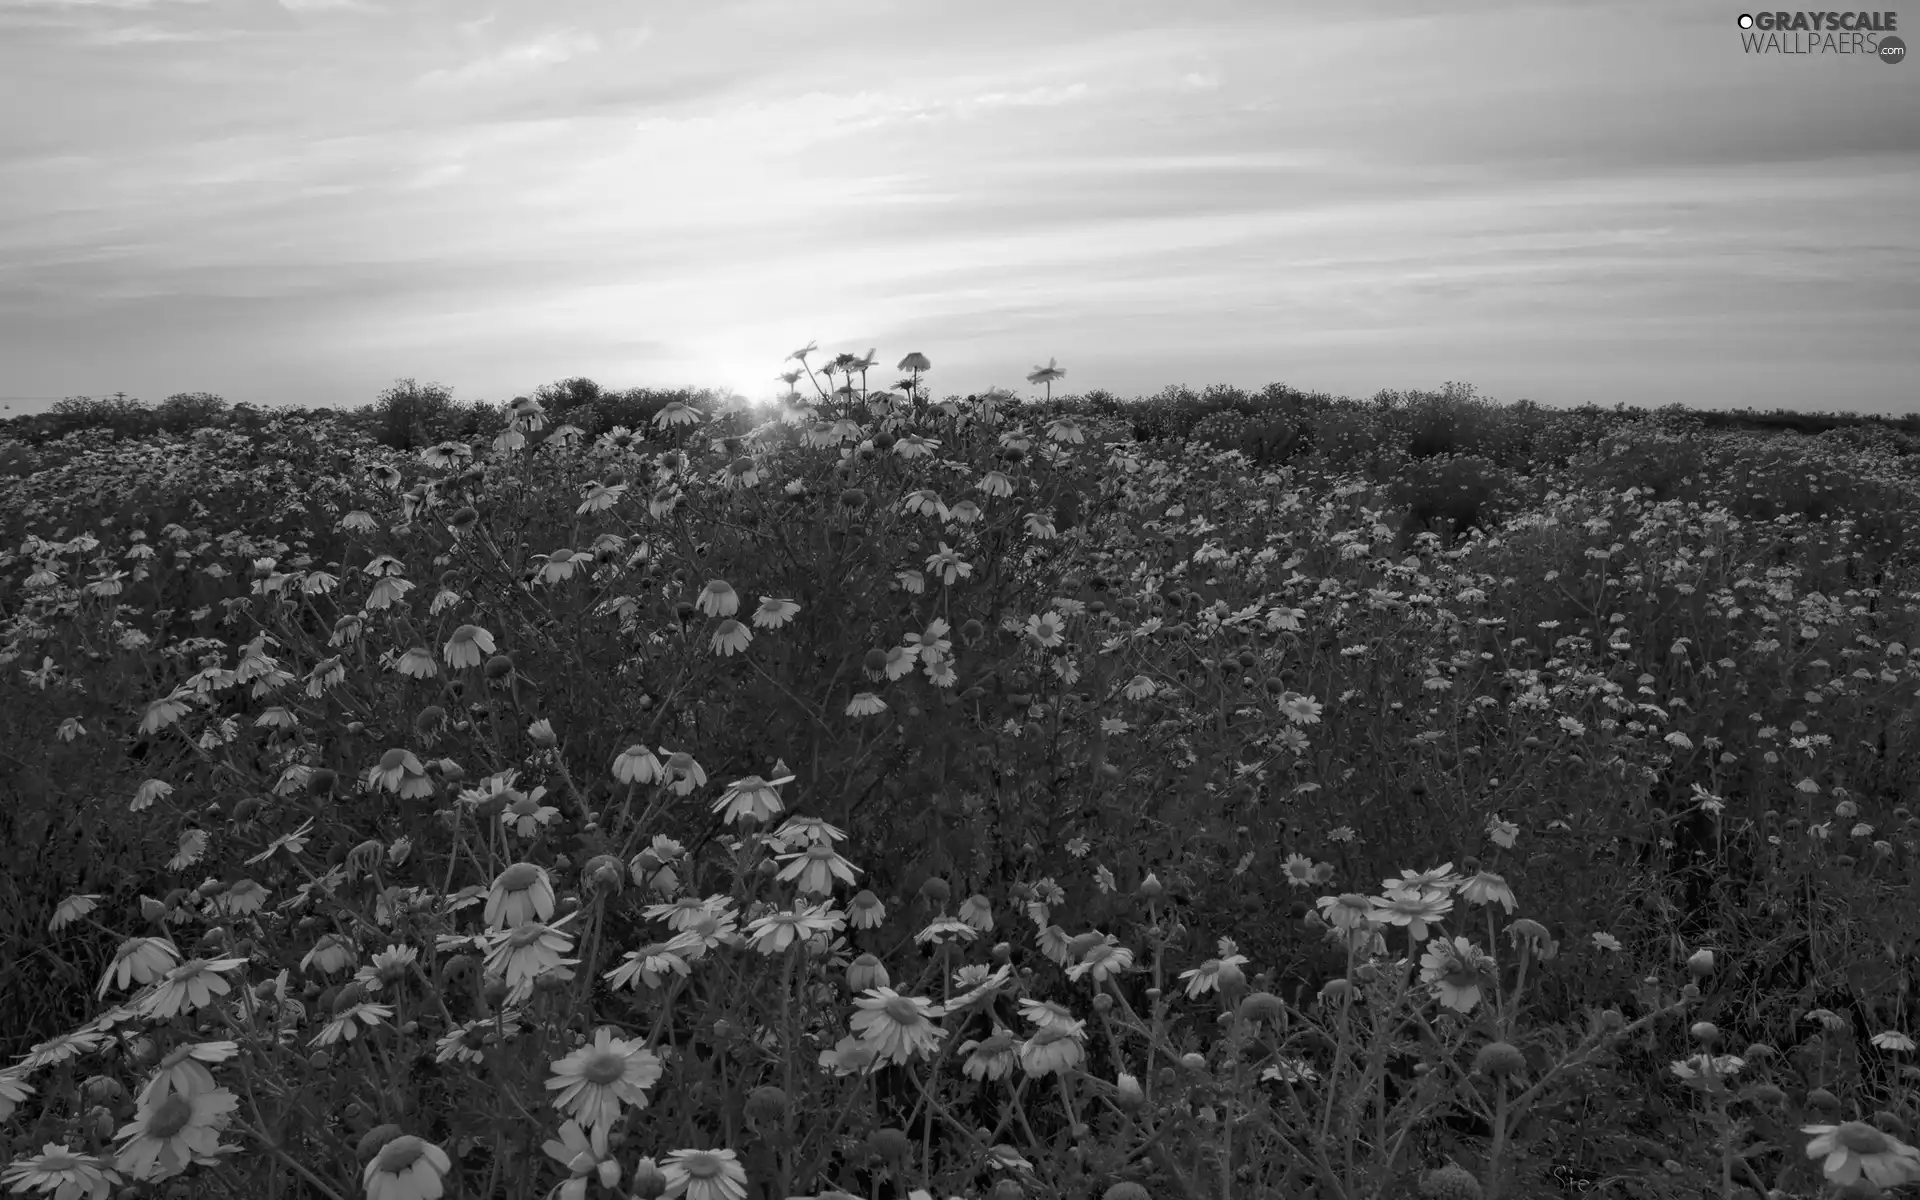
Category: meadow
[1197,798]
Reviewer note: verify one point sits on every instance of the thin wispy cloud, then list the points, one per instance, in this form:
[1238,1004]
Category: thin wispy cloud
[547,50]
[1598,202]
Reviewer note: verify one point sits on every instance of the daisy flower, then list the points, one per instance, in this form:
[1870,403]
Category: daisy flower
[346,1022]
[1055,944]
[866,911]
[815,869]
[170,1133]
[1347,912]
[1855,1148]
[977,984]
[520,894]
[637,764]
[990,1058]
[1723,1066]
[849,1056]
[1103,961]
[977,911]
[810,831]
[594,1081]
[1488,888]
[682,913]
[467,1042]
[1045,1014]
[584,1155]
[525,816]
[897,1027]
[751,797]
[1298,870]
[182,1069]
[1458,971]
[407,1168]
[14,1089]
[1206,977]
[139,960]
[1414,907]
[775,932]
[651,965]
[70,910]
[333,952]
[703,1175]
[1051,1049]
[774,612]
[685,773]
[67,1174]
[944,929]
[60,1048]
[526,952]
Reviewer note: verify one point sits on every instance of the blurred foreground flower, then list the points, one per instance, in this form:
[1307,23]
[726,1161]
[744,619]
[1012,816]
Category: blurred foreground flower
[1855,1148]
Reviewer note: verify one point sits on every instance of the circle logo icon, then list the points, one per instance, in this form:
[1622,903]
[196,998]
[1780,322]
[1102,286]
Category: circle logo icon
[1892,50]
[1746,20]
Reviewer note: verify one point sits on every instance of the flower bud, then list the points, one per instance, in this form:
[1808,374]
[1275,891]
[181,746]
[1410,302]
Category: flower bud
[1102,1003]
[1007,1189]
[1336,991]
[1701,964]
[1131,1096]
[605,872]
[766,1104]
[648,1181]
[1690,992]
[1821,1098]
[1611,1019]
[936,890]
[1705,1032]
[1767,1093]
[1499,1059]
[866,972]
[1151,888]
[1231,981]
[889,1144]
[1263,1006]
[1194,1062]
[373,1139]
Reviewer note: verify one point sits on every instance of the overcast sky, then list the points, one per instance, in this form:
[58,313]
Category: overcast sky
[301,201]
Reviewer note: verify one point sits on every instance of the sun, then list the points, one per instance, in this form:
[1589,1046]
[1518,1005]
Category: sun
[755,383]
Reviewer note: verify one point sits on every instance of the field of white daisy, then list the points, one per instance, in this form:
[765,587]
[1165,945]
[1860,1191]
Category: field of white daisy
[1220,798]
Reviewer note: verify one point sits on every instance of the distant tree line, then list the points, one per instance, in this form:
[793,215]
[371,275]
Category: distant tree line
[410,415]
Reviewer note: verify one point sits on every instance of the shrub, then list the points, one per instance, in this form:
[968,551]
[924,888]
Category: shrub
[1449,493]
[184,412]
[408,413]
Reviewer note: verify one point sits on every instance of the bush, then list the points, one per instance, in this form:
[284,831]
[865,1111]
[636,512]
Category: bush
[1449,494]
[184,412]
[407,414]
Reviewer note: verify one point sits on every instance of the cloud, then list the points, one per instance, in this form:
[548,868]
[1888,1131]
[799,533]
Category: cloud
[543,51]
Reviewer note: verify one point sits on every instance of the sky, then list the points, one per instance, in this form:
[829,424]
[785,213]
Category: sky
[1571,201]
